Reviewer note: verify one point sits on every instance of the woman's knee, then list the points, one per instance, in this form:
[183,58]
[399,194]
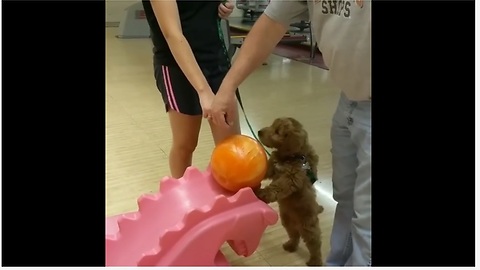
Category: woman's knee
[185,130]
[220,134]
[184,147]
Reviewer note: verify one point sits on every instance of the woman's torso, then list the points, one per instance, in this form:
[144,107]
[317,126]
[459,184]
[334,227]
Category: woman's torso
[200,26]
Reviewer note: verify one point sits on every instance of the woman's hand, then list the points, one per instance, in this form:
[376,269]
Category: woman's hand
[225,9]
[206,100]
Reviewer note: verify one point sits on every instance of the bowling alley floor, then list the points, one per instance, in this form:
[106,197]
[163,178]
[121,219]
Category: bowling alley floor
[138,135]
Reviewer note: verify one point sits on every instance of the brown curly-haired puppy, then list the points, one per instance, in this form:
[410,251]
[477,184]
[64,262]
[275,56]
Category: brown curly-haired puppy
[289,167]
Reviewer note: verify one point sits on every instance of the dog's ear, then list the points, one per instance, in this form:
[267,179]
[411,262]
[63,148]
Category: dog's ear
[294,122]
[295,137]
[293,128]
[279,130]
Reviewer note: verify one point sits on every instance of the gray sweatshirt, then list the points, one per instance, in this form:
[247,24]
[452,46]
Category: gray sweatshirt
[342,30]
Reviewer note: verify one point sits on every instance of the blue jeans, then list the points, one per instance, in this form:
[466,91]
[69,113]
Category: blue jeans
[351,165]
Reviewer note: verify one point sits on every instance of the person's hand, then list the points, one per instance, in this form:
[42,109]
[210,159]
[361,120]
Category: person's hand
[223,108]
[206,99]
[225,9]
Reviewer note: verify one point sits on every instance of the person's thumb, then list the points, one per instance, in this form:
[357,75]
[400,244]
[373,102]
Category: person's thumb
[229,118]
[229,5]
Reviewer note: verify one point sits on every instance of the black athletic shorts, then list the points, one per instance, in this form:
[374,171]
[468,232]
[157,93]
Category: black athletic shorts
[177,92]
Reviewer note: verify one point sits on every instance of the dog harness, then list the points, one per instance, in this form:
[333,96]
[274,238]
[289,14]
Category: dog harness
[306,167]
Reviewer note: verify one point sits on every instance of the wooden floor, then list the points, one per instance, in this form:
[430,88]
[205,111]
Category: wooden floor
[138,135]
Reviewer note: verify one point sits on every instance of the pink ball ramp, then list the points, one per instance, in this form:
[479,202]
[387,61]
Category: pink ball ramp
[186,223]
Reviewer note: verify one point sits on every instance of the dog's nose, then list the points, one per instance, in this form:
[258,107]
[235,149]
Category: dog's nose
[260,132]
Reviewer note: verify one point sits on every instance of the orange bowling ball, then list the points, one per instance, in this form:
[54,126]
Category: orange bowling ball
[238,162]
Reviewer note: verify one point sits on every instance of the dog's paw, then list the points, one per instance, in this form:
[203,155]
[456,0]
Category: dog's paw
[314,261]
[290,246]
[260,193]
[264,199]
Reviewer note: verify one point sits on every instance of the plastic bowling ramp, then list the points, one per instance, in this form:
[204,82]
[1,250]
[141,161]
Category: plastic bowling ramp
[186,223]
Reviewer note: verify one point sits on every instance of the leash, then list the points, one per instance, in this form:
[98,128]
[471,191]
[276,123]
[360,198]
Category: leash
[237,93]
[312,177]
[309,172]
[239,98]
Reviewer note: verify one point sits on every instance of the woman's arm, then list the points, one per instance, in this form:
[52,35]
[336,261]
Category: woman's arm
[166,12]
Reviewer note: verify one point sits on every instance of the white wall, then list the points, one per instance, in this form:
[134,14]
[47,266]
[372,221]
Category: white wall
[114,10]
